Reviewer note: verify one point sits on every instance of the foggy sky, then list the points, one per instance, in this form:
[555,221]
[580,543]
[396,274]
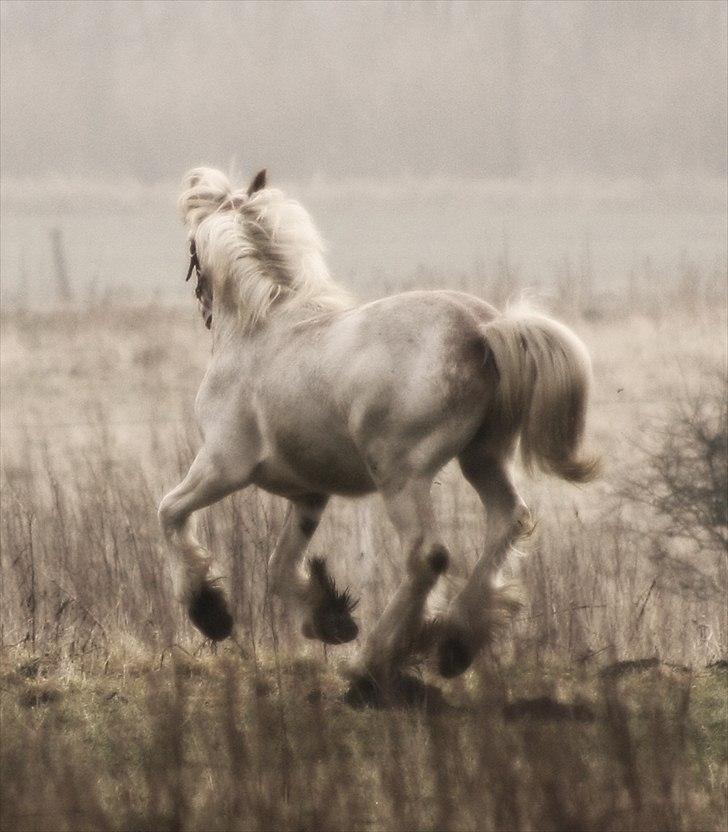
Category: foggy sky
[146,89]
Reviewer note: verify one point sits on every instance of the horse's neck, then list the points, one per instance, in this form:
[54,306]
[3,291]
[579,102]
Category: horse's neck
[227,330]
[290,312]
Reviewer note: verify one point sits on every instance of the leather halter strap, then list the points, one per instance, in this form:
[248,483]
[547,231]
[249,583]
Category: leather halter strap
[194,262]
[195,266]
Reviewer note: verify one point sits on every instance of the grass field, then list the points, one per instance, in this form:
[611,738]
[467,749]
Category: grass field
[601,706]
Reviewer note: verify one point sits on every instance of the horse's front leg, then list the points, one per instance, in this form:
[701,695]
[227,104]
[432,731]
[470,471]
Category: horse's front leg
[326,613]
[398,630]
[206,483]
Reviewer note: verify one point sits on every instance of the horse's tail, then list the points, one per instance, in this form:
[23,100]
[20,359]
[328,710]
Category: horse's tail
[544,378]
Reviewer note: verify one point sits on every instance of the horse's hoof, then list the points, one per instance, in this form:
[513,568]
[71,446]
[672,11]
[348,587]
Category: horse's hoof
[364,692]
[454,657]
[331,618]
[331,629]
[209,612]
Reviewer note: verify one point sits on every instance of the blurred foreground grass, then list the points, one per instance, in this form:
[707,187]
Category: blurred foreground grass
[215,742]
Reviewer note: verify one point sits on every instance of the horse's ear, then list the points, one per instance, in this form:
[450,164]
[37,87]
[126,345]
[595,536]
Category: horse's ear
[258,183]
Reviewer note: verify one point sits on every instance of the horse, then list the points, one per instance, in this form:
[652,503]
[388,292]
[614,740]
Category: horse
[309,393]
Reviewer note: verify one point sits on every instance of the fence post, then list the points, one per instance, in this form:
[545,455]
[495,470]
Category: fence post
[63,285]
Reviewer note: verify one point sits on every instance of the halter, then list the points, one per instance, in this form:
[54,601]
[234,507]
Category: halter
[195,264]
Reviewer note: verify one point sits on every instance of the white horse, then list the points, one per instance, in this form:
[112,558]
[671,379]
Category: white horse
[309,394]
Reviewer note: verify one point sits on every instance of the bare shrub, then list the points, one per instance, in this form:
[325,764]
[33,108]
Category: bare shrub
[683,478]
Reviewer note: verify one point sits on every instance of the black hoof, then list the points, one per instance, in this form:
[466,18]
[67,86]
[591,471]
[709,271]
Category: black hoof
[331,628]
[209,612]
[331,619]
[364,692]
[454,657]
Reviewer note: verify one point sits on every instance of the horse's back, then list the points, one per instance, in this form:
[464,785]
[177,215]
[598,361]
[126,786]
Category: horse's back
[432,341]
[410,372]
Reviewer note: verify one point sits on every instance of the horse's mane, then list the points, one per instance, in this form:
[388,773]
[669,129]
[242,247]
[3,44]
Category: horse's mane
[261,249]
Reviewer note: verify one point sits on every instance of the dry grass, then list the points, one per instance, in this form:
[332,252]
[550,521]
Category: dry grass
[116,715]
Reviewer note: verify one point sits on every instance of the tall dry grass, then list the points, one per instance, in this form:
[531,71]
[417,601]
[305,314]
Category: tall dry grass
[135,722]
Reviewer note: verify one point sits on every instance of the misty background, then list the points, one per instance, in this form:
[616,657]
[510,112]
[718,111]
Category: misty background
[520,137]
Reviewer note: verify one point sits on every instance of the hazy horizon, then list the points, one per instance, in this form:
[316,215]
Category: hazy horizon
[435,138]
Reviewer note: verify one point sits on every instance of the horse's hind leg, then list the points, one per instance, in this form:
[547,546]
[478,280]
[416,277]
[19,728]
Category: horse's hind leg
[396,633]
[205,483]
[327,613]
[469,619]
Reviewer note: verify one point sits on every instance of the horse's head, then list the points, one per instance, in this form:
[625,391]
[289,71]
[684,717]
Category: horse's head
[208,191]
